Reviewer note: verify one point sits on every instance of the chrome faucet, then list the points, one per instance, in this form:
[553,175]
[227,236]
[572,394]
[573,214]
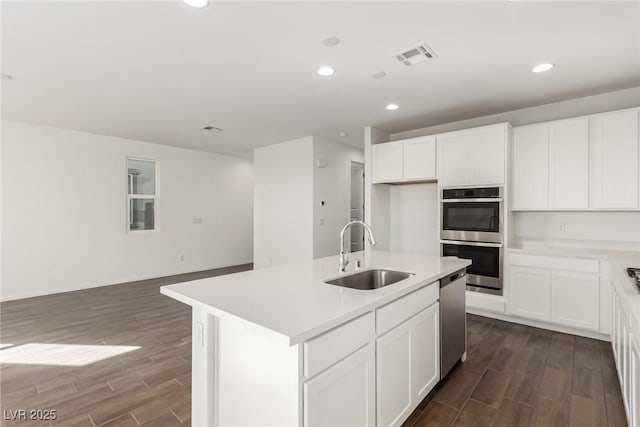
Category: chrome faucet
[344,255]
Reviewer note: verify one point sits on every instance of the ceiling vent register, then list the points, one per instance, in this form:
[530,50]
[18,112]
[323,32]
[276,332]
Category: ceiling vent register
[416,55]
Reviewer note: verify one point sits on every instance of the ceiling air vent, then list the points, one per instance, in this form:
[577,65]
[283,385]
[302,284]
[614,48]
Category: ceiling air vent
[212,129]
[416,55]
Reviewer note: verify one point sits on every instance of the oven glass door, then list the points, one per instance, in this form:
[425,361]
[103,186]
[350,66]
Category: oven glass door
[485,260]
[471,216]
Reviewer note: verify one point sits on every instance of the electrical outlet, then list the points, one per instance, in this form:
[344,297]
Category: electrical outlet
[321,221]
[181,257]
[563,227]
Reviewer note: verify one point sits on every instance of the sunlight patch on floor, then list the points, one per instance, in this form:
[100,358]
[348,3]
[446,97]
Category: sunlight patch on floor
[60,354]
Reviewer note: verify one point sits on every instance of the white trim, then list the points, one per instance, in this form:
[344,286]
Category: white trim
[541,325]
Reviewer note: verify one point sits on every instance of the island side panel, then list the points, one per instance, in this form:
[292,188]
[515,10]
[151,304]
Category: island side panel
[203,368]
[258,376]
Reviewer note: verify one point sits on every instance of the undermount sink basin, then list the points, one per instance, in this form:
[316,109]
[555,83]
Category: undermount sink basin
[370,279]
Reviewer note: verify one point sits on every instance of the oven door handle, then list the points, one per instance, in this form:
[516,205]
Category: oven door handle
[489,199]
[461,243]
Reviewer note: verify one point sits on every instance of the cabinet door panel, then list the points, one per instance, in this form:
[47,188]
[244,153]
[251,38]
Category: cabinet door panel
[393,370]
[387,162]
[343,395]
[614,160]
[419,158]
[575,300]
[569,164]
[531,293]
[488,155]
[531,167]
[425,352]
[635,379]
[456,152]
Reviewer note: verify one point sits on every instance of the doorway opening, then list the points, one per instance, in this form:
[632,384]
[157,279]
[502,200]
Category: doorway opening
[356,206]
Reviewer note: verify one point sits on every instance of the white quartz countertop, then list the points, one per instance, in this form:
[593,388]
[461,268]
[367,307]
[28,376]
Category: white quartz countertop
[294,302]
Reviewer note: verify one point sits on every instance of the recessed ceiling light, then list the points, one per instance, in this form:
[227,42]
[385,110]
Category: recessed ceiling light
[343,134]
[379,75]
[331,41]
[392,107]
[542,68]
[196,3]
[326,71]
[6,77]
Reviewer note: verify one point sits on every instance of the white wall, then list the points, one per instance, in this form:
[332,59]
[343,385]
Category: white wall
[414,224]
[333,185]
[606,226]
[64,211]
[283,203]
[610,101]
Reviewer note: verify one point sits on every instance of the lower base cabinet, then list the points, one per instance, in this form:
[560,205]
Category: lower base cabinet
[575,300]
[626,353]
[407,366]
[551,294]
[531,293]
[343,395]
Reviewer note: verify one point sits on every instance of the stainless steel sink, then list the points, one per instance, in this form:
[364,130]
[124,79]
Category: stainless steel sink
[370,279]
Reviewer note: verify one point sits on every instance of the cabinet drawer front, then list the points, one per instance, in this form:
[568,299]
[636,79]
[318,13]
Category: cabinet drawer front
[398,311]
[330,347]
[556,263]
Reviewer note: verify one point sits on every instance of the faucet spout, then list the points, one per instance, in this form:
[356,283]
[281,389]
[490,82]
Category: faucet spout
[344,254]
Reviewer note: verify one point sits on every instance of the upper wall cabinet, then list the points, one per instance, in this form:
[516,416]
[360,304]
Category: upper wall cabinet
[614,160]
[473,156]
[577,164]
[404,161]
[531,164]
[569,164]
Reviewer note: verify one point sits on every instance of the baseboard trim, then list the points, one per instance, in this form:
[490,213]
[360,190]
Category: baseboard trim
[540,325]
[52,291]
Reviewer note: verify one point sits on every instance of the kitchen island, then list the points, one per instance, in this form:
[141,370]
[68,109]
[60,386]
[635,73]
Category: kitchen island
[279,346]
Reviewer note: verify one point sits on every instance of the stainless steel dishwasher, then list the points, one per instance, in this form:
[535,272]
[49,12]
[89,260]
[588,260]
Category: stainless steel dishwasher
[453,320]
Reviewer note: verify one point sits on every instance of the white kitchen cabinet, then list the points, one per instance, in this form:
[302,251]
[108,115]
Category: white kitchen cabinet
[419,158]
[393,352]
[407,366]
[425,353]
[456,150]
[531,293]
[343,395]
[560,290]
[387,162]
[569,164]
[575,299]
[404,161]
[614,160]
[473,156]
[634,399]
[531,167]
[489,150]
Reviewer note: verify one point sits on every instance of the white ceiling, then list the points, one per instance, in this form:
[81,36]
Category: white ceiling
[160,71]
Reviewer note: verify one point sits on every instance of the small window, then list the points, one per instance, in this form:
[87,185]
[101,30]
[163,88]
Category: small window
[142,195]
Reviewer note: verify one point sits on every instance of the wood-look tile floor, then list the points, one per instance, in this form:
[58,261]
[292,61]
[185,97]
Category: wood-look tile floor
[149,386]
[514,375]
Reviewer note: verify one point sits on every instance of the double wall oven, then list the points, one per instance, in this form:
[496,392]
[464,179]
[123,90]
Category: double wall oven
[471,227]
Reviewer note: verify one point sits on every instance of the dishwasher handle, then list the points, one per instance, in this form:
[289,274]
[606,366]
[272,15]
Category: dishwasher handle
[452,278]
